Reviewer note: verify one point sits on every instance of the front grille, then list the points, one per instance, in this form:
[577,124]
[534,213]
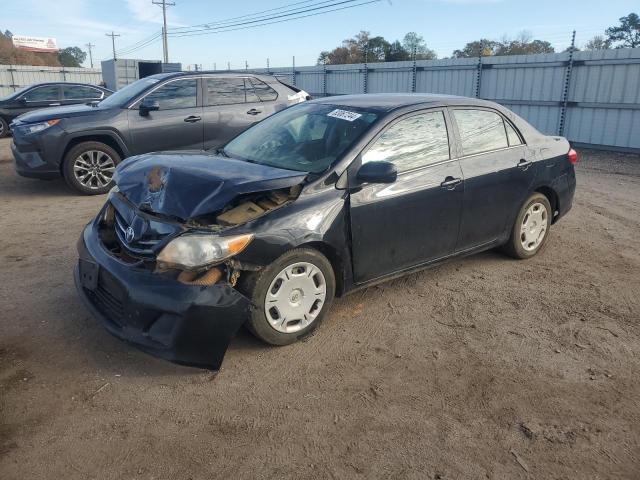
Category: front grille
[107,304]
[141,246]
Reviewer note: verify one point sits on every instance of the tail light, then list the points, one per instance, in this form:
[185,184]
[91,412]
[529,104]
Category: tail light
[572,156]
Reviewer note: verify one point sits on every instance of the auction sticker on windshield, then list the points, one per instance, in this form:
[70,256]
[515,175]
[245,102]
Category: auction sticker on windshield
[344,115]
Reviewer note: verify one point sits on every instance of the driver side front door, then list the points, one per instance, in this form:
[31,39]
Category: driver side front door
[415,219]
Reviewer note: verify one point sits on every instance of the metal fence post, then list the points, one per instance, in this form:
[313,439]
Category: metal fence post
[567,83]
[366,70]
[324,78]
[268,67]
[414,72]
[293,72]
[13,80]
[479,76]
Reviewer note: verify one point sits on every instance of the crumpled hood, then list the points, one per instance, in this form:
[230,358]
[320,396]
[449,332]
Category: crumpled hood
[192,184]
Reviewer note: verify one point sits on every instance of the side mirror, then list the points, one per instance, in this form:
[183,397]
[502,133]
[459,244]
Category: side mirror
[377,172]
[147,106]
[22,100]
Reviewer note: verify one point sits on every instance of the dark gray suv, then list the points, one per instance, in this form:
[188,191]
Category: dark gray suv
[183,110]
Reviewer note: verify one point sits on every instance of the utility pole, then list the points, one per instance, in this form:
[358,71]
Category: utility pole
[113,42]
[165,46]
[89,46]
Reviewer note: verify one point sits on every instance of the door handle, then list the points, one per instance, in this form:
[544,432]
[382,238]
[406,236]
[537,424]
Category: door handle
[524,164]
[253,111]
[450,182]
[192,119]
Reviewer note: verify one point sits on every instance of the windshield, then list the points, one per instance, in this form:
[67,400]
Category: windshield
[129,92]
[16,94]
[307,137]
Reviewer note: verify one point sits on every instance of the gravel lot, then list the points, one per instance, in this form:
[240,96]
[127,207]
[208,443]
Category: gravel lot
[485,367]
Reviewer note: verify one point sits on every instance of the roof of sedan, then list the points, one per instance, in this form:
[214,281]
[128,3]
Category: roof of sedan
[391,101]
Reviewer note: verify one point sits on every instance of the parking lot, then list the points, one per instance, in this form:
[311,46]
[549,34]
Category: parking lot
[485,367]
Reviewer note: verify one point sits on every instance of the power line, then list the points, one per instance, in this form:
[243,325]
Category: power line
[165,44]
[243,26]
[113,42]
[209,25]
[89,46]
[140,45]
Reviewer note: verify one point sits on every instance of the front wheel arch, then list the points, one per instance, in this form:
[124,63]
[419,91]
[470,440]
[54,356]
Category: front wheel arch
[108,140]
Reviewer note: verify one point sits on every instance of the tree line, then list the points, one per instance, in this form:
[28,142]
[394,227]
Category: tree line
[66,57]
[365,48]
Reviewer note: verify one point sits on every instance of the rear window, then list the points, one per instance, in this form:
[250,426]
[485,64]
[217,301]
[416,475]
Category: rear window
[480,131]
[225,91]
[263,91]
[80,92]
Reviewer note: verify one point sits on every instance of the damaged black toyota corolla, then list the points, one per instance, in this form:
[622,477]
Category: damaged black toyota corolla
[315,201]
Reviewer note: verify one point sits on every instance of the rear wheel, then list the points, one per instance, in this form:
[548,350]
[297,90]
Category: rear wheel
[4,128]
[289,297]
[531,228]
[89,167]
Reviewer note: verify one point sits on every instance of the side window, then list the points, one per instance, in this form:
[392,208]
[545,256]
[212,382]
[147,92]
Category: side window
[43,94]
[480,131]
[512,135]
[251,95]
[412,142]
[79,92]
[264,91]
[176,94]
[225,91]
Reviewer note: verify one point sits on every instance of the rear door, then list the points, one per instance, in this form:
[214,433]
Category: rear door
[36,98]
[497,174]
[233,104]
[176,125]
[415,219]
[72,94]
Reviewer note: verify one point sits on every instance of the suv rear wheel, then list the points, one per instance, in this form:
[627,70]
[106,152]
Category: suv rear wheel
[89,166]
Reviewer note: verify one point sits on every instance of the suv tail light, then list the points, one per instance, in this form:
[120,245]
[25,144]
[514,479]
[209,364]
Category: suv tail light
[572,156]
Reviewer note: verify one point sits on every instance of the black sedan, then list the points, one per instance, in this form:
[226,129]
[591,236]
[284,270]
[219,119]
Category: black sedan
[45,95]
[318,200]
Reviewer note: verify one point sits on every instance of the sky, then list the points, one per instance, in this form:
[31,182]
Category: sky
[445,25]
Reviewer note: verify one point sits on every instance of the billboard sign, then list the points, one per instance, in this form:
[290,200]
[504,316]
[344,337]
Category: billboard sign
[35,44]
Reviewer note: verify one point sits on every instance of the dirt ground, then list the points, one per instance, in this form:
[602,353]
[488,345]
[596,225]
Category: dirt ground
[484,367]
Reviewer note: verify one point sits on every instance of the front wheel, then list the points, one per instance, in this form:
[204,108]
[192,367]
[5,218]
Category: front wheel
[531,228]
[4,128]
[89,167]
[289,297]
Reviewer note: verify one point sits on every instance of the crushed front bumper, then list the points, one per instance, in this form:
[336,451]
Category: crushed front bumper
[190,325]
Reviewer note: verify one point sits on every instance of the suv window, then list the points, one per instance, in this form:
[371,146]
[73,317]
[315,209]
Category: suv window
[412,142]
[176,94]
[264,91]
[480,131]
[225,91]
[43,94]
[80,92]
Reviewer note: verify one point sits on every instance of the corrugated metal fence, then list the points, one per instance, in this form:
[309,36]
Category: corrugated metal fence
[593,97]
[13,77]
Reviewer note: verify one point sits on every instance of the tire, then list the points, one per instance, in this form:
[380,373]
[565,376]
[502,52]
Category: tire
[297,296]
[527,242]
[4,128]
[100,161]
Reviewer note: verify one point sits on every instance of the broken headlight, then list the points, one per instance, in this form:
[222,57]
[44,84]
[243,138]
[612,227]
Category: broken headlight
[193,251]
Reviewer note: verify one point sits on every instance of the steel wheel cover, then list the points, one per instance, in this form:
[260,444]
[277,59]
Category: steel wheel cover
[534,226]
[295,297]
[94,169]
